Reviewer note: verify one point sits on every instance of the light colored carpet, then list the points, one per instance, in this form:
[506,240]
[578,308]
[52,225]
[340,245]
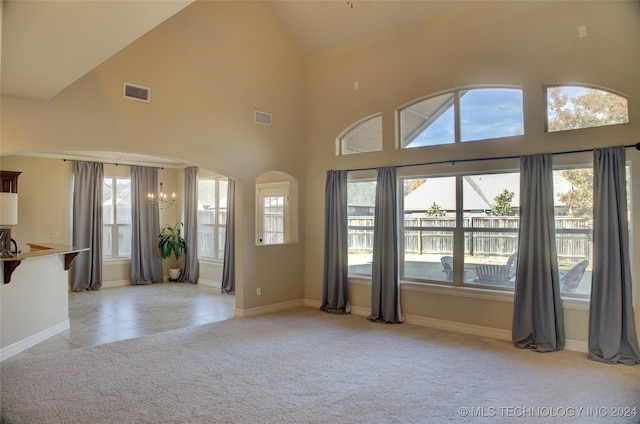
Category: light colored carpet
[306,366]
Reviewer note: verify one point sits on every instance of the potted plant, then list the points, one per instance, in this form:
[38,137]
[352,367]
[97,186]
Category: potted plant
[170,241]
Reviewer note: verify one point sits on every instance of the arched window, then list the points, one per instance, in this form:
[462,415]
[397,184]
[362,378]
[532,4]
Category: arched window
[466,114]
[571,107]
[363,136]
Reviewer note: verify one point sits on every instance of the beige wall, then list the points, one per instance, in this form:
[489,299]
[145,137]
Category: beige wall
[525,44]
[209,68]
[44,199]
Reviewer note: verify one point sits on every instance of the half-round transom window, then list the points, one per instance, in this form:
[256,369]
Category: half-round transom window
[363,136]
[482,113]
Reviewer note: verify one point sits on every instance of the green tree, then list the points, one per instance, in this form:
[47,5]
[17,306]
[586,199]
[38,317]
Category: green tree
[578,200]
[435,210]
[594,108]
[502,204]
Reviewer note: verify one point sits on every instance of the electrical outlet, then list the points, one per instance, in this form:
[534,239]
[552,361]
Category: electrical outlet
[258,291]
[54,234]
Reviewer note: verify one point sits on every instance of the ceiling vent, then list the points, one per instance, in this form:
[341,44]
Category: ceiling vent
[262,118]
[136,92]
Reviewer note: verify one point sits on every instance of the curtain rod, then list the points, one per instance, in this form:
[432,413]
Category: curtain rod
[116,164]
[453,161]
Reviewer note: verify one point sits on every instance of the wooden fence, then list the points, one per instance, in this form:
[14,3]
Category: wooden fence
[427,235]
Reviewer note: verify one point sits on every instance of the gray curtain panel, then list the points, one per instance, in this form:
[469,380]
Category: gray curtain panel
[385,280]
[538,322]
[190,270]
[146,262]
[229,264]
[612,333]
[335,276]
[86,269]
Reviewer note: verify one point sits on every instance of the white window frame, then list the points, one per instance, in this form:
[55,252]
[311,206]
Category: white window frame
[217,227]
[342,147]
[457,119]
[276,189]
[115,227]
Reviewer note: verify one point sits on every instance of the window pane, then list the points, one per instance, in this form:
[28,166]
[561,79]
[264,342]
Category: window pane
[572,107]
[123,200]
[273,220]
[574,225]
[205,240]
[222,232]
[361,199]
[490,113]
[206,194]
[364,137]
[428,123]
[107,201]
[222,193]
[106,241]
[206,217]
[429,219]
[491,208]
[124,241]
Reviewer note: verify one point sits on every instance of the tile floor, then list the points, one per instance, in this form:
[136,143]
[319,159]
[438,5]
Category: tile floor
[119,313]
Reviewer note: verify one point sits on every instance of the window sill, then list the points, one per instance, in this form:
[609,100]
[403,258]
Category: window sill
[576,303]
[117,261]
[211,261]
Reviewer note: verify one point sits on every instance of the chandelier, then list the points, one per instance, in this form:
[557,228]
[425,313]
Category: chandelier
[161,199]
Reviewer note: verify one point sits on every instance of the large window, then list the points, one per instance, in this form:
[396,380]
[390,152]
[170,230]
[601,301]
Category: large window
[212,217]
[116,216]
[463,229]
[462,115]
[460,229]
[575,107]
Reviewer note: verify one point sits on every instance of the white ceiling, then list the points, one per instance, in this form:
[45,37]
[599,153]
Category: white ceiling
[49,44]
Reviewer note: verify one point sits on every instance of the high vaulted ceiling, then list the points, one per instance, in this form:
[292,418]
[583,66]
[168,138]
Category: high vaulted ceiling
[49,44]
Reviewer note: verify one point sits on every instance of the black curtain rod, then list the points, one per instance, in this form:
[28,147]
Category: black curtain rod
[454,161]
[116,164]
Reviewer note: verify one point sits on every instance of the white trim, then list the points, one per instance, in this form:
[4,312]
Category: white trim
[28,342]
[276,307]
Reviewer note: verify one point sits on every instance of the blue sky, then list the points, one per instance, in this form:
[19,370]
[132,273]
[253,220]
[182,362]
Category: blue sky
[484,113]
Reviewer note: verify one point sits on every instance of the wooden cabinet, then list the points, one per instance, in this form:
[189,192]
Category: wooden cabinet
[9,181]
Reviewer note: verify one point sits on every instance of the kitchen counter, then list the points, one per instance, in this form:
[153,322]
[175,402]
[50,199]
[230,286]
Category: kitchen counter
[39,250]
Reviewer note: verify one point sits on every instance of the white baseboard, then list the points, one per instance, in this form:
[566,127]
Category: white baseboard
[28,342]
[276,307]
[458,327]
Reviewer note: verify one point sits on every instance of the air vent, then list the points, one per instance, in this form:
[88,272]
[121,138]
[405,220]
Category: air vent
[263,118]
[136,92]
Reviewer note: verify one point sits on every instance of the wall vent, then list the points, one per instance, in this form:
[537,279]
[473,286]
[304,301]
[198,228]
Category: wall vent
[263,118]
[136,92]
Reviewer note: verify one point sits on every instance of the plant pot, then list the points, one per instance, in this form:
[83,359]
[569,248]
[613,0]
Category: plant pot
[174,274]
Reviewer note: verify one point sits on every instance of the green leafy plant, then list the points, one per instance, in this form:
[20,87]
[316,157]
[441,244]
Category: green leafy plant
[170,241]
[435,210]
[502,204]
